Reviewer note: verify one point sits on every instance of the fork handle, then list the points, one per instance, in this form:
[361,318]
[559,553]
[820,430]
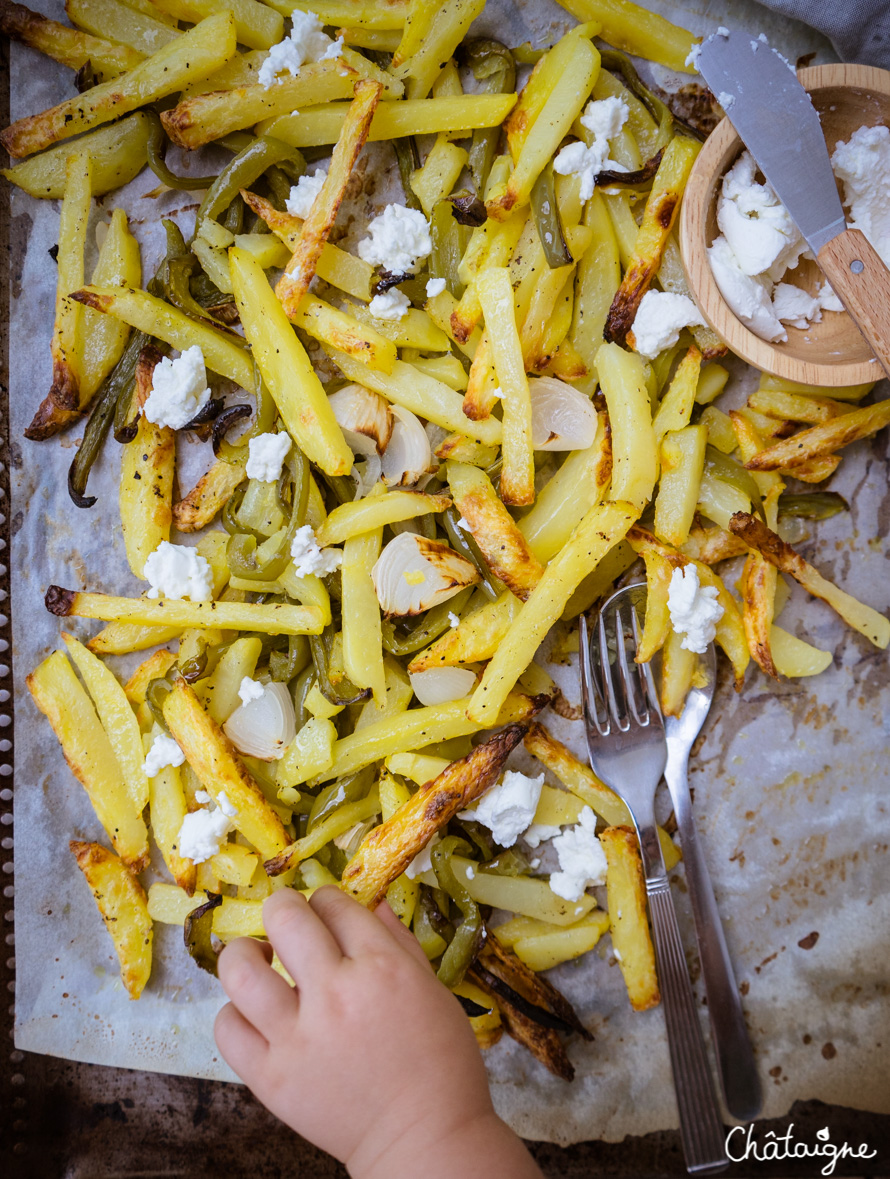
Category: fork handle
[735,1057]
[701,1129]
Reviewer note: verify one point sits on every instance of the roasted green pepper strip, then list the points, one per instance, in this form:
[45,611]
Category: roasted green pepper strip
[116,386]
[494,66]
[284,666]
[813,505]
[465,943]
[464,544]
[300,689]
[409,161]
[197,931]
[524,54]
[618,63]
[434,623]
[550,227]
[344,693]
[157,149]
[155,694]
[352,788]
[246,167]
[449,243]
[242,546]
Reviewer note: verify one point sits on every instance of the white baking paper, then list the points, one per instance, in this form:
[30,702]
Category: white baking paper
[790,781]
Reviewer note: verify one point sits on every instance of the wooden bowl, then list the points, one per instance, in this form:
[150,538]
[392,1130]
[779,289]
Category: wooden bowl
[828,353]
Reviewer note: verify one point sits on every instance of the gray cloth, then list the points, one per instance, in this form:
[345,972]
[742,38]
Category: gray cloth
[858,29]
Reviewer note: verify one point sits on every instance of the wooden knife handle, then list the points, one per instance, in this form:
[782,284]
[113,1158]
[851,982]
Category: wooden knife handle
[862,283]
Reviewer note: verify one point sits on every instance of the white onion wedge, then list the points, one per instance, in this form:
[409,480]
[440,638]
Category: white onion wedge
[265,727]
[562,418]
[412,574]
[441,685]
[364,417]
[408,454]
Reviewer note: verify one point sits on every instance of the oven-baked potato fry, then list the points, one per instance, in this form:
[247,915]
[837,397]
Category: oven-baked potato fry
[387,850]
[362,627]
[154,667]
[214,489]
[433,30]
[316,228]
[116,717]
[59,696]
[213,758]
[347,332]
[365,515]
[167,808]
[256,25]
[634,453]
[474,639]
[70,47]
[286,369]
[191,56]
[874,626]
[63,402]
[274,618]
[637,30]
[123,906]
[600,530]
[821,441]
[628,921]
[146,486]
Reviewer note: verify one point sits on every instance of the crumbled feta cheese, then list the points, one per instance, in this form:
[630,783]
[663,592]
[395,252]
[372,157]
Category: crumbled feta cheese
[303,193]
[391,304]
[863,164]
[453,619]
[309,558]
[722,31]
[203,831]
[178,389]
[748,295]
[397,240]
[758,227]
[534,864]
[497,393]
[604,120]
[164,752]
[463,525]
[306,42]
[508,808]
[471,872]
[694,609]
[582,861]
[693,56]
[434,286]
[605,117]
[423,861]
[828,300]
[265,456]
[725,99]
[539,833]
[660,318]
[250,690]
[203,796]
[793,305]
[177,571]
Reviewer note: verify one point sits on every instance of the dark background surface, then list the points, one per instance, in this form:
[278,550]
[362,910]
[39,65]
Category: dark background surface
[58,1118]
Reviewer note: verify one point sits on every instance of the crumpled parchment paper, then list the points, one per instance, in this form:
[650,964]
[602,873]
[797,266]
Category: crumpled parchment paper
[790,781]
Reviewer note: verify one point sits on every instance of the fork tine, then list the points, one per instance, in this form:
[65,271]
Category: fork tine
[590,694]
[634,693]
[608,681]
[645,670]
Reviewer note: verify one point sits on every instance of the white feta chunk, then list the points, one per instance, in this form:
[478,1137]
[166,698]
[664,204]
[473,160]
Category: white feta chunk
[539,833]
[265,456]
[306,42]
[694,609]
[793,305]
[508,808]
[303,193]
[164,752]
[582,861]
[397,240]
[391,304]
[423,861]
[178,571]
[178,389]
[203,831]
[748,295]
[660,318]
[863,164]
[309,557]
[250,689]
[434,286]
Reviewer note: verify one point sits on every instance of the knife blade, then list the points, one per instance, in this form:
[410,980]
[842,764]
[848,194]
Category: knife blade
[778,123]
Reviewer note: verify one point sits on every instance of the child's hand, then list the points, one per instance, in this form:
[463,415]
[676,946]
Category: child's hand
[369,1057]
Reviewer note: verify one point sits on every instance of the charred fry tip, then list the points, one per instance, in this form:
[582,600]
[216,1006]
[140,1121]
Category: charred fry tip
[279,863]
[59,601]
[89,299]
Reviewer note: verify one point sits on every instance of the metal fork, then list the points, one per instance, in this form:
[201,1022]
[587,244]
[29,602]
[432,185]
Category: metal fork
[626,744]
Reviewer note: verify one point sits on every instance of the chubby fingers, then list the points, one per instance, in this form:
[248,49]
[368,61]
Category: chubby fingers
[241,1045]
[307,948]
[358,930]
[261,995]
[400,932]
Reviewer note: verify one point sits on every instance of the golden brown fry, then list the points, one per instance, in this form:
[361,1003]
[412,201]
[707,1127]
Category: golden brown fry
[70,47]
[659,216]
[710,545]
[123,905]
[500,541]
[387,850]
[154,667]
[626,891]
[207,497]
[758,586]
[214,759]
[776,403]
[476,638]
[823,440]
[300,271]
[863,618]
[579,778]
